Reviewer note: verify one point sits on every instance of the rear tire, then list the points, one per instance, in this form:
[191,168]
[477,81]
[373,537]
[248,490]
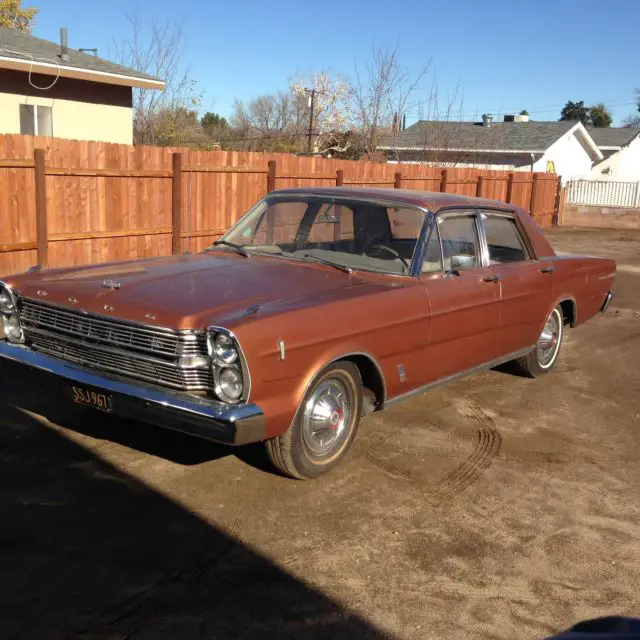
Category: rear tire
[543,357]
[324,427]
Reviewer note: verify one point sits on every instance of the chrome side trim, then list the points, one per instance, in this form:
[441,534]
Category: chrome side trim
[455,376]
[607,302]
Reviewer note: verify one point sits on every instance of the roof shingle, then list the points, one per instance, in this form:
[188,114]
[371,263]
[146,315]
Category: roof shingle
[24,46]
[613,137]
[472,136]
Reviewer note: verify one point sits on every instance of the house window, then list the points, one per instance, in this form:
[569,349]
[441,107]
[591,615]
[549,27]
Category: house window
[35,120]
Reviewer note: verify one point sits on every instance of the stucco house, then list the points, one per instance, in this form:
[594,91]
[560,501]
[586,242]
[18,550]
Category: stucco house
[565,148]
[621,150]
[49,89]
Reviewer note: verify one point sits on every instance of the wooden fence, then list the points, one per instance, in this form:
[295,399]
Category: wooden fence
[66,202]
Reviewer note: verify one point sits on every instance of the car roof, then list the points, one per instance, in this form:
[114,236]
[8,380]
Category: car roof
[431,200]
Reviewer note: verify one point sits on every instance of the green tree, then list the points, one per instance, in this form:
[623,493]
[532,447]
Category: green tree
[575,111]
[524,112]
[212,121]
[14,16]
[599,116]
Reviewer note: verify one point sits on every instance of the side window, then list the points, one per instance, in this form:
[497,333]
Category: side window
[432,261]
[503,240]
[460,246]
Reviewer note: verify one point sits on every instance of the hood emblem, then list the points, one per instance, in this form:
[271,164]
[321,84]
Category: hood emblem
[111,284]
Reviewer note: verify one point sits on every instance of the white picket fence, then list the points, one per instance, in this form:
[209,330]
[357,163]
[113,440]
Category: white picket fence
[604,193]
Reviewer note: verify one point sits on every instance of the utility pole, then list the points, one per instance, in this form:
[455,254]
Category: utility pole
[312,103]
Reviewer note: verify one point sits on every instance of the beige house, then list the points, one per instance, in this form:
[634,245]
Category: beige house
[47,89]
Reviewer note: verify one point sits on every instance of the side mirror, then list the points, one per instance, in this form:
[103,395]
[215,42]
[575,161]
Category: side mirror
[461,263]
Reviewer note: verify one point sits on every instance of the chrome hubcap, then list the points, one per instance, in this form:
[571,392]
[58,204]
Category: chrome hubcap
[549,340]
[326,417]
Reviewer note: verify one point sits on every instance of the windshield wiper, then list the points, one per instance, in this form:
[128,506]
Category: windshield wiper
[335,265]
[238,248]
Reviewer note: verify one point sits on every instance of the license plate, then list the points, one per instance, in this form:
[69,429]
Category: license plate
[89,398]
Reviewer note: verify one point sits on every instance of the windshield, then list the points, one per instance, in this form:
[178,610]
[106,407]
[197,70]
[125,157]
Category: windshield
[357,234]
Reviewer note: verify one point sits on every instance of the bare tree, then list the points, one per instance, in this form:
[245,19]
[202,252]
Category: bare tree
[381,94]
[634,120]
[157,51]
[322,102]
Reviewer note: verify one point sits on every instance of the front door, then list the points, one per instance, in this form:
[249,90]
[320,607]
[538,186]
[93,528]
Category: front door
[464,298]
[526,284]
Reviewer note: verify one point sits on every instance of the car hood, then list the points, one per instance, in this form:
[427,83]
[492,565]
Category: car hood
[182,292]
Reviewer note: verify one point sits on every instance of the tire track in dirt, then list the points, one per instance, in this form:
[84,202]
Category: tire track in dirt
[487,447]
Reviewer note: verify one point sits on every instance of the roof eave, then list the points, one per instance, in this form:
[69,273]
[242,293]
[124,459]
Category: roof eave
[463,150]
[63,71]
[587,138]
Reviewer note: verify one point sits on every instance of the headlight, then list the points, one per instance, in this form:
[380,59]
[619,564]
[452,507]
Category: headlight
[228,367]
[222,348]
[230,384]
[7,304]
[13,328]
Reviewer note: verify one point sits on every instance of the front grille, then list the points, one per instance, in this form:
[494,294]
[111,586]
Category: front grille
[143,353]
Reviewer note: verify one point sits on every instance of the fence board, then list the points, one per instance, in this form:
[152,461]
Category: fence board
[107,202]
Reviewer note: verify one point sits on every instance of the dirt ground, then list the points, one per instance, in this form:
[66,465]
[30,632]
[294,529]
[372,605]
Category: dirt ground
[494,507]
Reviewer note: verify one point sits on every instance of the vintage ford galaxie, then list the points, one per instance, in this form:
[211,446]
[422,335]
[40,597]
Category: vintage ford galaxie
[318,306]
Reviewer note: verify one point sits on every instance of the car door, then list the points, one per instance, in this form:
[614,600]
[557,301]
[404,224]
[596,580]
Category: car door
[464,298]
[525,283]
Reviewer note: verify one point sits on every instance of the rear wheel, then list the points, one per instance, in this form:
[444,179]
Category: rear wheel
[545,354]
[324,427]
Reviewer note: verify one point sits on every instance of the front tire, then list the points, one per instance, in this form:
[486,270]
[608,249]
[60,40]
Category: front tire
[324,427]
[544,356]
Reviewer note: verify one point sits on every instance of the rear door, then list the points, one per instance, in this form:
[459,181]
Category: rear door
[525,283]
[464,297]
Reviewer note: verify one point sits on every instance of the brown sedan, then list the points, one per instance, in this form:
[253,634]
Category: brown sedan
[318,306]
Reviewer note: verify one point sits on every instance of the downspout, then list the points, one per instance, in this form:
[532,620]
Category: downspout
[533,160]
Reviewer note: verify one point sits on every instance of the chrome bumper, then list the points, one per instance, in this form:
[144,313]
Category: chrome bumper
[228,424]
[607,302]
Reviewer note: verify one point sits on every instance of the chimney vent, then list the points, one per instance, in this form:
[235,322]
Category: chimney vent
[64,49]
[487,118]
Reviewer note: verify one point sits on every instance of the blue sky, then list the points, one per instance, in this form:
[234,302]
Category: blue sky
[505,55]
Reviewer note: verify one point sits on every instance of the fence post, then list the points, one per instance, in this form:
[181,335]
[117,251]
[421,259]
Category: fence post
[176,203]
[510,187]
[339,178]
[534,195]
[557,203]
[444,180]
[42,237]
[271,176]
[637,195]
[480,187]
[397,184]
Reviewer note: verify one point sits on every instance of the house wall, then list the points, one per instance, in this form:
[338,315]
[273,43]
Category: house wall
[80,110]
[570,158]
[621,165]
[494,161]
[577,215]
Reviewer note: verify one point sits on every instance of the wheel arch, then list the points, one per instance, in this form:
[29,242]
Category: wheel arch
[569,310]
[368,367]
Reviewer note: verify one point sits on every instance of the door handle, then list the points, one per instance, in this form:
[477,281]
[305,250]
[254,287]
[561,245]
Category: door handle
[492,278]
[547,270]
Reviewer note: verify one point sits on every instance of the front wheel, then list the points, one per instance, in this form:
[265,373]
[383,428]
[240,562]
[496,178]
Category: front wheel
[324,427]
[545,354]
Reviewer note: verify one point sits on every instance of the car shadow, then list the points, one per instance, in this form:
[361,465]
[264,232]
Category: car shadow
[88,552]
[146,438]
